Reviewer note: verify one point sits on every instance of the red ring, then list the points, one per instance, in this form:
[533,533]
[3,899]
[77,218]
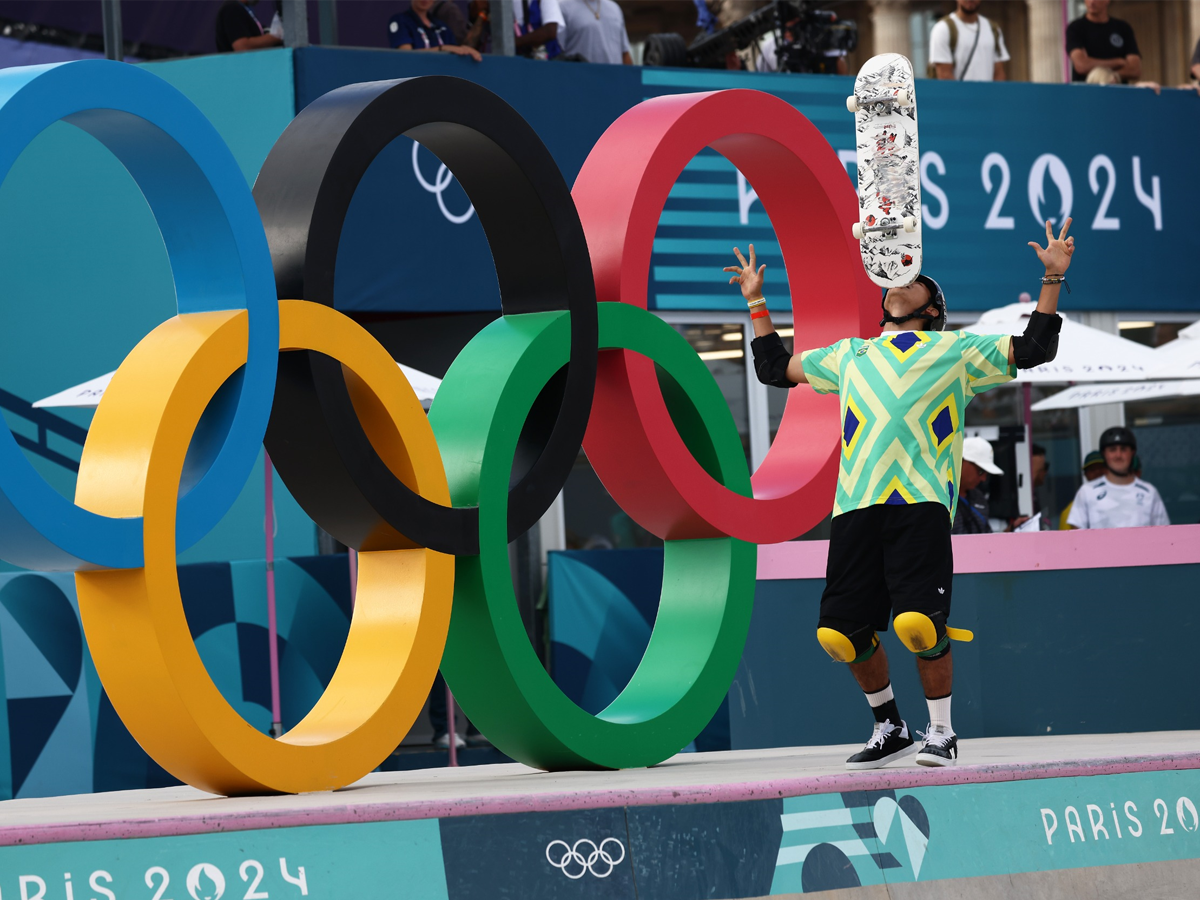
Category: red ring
[804,188]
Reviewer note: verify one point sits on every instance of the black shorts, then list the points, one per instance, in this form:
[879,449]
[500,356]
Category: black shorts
[885,560]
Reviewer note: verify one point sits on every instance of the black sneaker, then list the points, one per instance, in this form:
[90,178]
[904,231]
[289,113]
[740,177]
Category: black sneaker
[941,748]
[888,743]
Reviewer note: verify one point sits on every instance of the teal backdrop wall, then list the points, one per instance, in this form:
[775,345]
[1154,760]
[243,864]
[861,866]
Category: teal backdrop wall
[86,274]
[59,733]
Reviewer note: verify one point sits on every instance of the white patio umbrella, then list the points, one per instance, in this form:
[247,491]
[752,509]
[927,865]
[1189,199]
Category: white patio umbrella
[1179,358]
[1084,354]
[88,394]
[1121,392]
[82,396]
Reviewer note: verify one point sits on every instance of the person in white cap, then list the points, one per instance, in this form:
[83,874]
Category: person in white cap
[978,461]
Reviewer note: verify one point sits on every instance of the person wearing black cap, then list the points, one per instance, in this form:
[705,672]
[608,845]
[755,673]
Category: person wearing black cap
[1120,499]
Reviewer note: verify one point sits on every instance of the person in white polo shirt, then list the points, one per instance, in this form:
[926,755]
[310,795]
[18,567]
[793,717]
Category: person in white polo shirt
[1120,499]
[965,46]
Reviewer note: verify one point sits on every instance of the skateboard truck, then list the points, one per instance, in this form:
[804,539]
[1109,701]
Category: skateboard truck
[902,98]
[908,223]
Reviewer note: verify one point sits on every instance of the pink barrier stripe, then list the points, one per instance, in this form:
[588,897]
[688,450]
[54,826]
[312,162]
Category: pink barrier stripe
[883,779]
[1044,551]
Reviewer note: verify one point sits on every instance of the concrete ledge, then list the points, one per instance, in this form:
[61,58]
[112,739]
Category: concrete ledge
[694,778]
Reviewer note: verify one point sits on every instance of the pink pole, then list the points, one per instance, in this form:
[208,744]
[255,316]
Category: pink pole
[1027,396]
[451,727]
[272,630]
[1066,56]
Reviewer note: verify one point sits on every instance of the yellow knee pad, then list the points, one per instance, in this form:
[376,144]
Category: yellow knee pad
[918,633]
[841,648]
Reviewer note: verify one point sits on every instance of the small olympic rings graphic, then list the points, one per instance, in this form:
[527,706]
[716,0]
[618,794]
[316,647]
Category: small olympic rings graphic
[569,857]
[438,186]
[258,354]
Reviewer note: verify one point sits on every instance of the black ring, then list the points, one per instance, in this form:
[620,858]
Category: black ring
[303,193]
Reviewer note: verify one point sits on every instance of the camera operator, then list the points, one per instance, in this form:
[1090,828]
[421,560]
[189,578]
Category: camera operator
[768,60]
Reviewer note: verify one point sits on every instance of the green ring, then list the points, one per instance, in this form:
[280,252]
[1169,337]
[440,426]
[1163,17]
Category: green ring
[708,585]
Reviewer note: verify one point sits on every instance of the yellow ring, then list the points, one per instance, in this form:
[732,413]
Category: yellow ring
[134,619]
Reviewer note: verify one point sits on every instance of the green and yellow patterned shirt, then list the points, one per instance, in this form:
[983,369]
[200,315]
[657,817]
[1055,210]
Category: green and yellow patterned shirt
[902,400]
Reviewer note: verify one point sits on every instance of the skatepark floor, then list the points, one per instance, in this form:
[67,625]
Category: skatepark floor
[685,778]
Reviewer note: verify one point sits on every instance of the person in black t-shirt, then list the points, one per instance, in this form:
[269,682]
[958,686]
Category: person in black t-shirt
[238,28]
[1098,41]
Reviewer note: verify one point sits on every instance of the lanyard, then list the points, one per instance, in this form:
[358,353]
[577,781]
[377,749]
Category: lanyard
[253,17]
[977,513]
[437,33]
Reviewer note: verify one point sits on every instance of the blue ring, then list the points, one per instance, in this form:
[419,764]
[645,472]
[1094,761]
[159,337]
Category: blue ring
[219,261]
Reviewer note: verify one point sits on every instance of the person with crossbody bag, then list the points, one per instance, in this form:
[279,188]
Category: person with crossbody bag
[984,61]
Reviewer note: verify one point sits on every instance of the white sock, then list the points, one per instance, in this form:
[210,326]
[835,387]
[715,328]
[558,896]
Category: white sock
[939,714]
[881,697]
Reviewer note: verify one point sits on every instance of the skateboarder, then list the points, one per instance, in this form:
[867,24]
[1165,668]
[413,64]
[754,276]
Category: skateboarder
[902,396]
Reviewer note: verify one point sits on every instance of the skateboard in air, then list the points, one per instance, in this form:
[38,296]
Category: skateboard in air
[888,230]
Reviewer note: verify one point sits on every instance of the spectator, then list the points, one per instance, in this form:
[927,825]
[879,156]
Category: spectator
[1120,499]
[768,56]
[439,716]
[1039,468]
[1093,467]
[978,460]
[1196,61]
[417,29]
[238,29]
[1108,76]
[1098,41]
[448,12]
[965,46]
[540,26]
[595,30]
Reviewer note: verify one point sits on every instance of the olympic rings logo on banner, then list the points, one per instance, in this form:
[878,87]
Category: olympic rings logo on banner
[431,502]
[570,856]
[438,186]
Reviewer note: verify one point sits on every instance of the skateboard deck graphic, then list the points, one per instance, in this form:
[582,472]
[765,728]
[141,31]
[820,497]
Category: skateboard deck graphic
[889,170]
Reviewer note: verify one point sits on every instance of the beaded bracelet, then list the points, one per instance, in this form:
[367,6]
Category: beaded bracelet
[1056,279]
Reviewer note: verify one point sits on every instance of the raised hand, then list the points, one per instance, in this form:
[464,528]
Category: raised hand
[1056,257]
[746,275]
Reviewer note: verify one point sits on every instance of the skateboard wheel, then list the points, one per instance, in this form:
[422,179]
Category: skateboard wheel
[910,224]
[856,230]
[852,103]
[904,98]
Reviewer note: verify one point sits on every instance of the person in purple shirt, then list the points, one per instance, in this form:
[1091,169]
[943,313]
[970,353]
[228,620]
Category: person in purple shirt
[416,29]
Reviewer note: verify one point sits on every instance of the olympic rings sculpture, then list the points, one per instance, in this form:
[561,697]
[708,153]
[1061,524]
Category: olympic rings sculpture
[430,502]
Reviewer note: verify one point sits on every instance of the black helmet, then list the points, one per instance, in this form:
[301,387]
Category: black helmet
[936,299]
[1118,436]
